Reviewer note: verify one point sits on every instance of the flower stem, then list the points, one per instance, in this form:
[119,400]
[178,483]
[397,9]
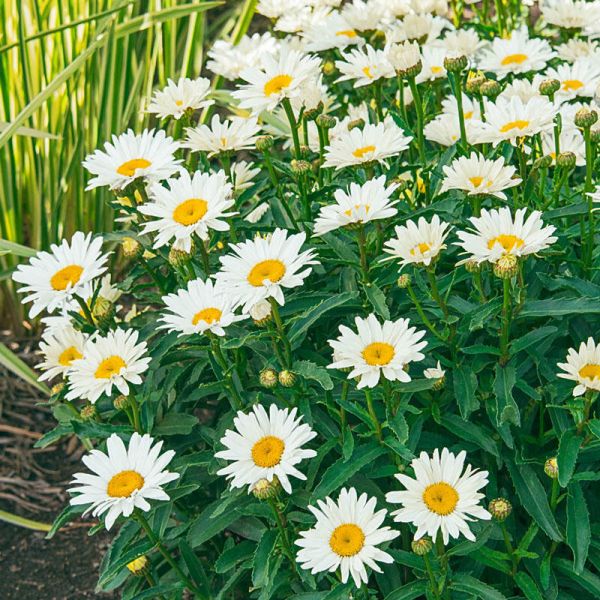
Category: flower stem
[135,412]
[85,309]
[372,414]
[289,111]
[455,80]
[432,580]
[282,334]
[419,111]
[506,318]
[589,166]
[283,533]
[422,314]
[435,292]
[230,385]
[509,547]
[362,249]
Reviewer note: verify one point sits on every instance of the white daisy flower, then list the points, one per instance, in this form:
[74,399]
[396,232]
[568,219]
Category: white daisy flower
[496,234]
[150,155]
[312,95]
[404,55]
[231,135]
[568,112]
[108,291]
[346,536]
[265,446]
[570,140]
[517,54]
[445,129]
[433,64]
[418,243]
[116,359]
[52,278]
[257,213]
[583,367]
[362,16]
[509,120]
[332,32]
[575,49]
[176,98]
[371,143]
[243,174]
[570,14]
[191,204]
[202,306]
[361,204]
[462,42]
[377,350]
[263,267]
[273,9]
[434,372]
[364,66]
[124,478]
[279,76]
[425,28]
[443,496]
[60,347]
[523,88]
[578,79]
[471,108]
[478,175]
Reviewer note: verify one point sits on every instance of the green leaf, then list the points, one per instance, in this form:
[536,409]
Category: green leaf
[594,427]
[559,307]
[471,432]
[310,370]
[534,499]
[465,384]
[528,586]
[14,364]
[463,582]
[532,337]
[175,424]
[194,566]
[16,249]
[579,533]
[399,426]
[377,299]
[410,591]
[265,547]
[568,450]
[68,514]
[587,580]
[232,556]
[507,409]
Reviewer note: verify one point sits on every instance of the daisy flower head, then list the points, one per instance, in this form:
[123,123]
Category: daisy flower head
[51,279]
[60,347]
[443,496]
[262,268]
[191,204]
[433,64]
[280,76]
[332,32]
[462,42]
[265,446]
[377,350]
[419,26]
[511,120]
[346,536]
[116,359]
[578,79]
[243,174]
[523,88]
[363,16]
[364,66]
[497,234]
[403,56]
[434,372]
[361,204]
[231,135]
[478,175]
[202,306]
[517,54]
[149,155]
[371,143]
[570,14]
[445,129]
[124,478]
[575,49]
[177,98]
[583,367]
[418,243]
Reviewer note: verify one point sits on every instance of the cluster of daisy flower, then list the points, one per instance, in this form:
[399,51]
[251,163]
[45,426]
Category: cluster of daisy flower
[370,190]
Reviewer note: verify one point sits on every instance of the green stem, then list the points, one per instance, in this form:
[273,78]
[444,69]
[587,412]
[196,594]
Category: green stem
[283,533]
[432,580]
[362,249]
[220,358]
[422,314]
[506,318]
[289,111]
[378,100]
[204,257]
[154,277]
[135,412]
[414,88]
[435,292]
[275,182]
[85,309]
[509,547]
[589,166]
[372,414]
[282,334]
[457,89]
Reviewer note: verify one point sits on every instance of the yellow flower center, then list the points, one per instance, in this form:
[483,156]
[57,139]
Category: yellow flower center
[507,241]
[436,70]
[514,59]
[519,124]
[590,371]
[190,211]
[440,498]
[421,248]
[208,315]
[129,168]
[572,85]
[378,354]
[110,366]
[179,102]
[347,32]
[267,452]
[137,564]
[367,72]
[273,270]
[69,355]
[468,114]
[123,484]
[347,539]
[278,83]
[476,181]
[68,276]
[360,152]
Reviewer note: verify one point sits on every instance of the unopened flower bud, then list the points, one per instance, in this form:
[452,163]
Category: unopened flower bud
[131,247]
[138,565]
[57,388]
[264,143]
[121,402]
[356,124]
[566,160]
[403,280]
[455,64]
[490,89]
[549,87]
[268,378]
[179,258]
[88,413]
[328,67]
[264,489]
[422,546]
[506,266]
[585,117]
[261,312]
[299,167]
[474,83]
[472,266]
[311,114]
[287,378]
[543,162]
[325,121]
[551,468]
[500,509]
[103,310]
[411,71]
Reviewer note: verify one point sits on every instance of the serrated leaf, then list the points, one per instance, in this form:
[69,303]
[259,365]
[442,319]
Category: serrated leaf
[175,424]
[310,370]
[377,300]
[410,591]
[568,450]
[528,586]
[265,547]
[579,534]
[232,556]
[463,582]
[507,409]
[465,384]
[471,432]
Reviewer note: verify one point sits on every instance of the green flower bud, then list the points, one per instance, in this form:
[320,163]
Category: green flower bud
[121,402]
[490,89]
[287,378]
[325,121]
[179,258]
[138,565]
[299,167]
[455,64]
[264,143]
[549,87]
[474,83]
[500,509]
[268,378]
[131,247]
[356,123]
[264,489]
[585,117]
[566,160]
[403,281]
[88,413]
[543,162]
[328,67]
[551,468]
[506,267]
[421,547]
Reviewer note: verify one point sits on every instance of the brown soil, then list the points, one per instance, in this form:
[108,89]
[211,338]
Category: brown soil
[32,485]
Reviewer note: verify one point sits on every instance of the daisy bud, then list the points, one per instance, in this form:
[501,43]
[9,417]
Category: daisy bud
[261,312]
[490,89]
[472,266]
[313,113]
[121,402]
[264,143]
[549,87]
[131,247]
[455,64]
[264,489]
[103,310]
[138,565]
[328,67]
[325,121]
[88,413]
[543,162]
[506,267]
[421,547]
[585,117]
[357,123]
[299,167]
[268,378]
[566,160]
[474,83]
[403,281]
[287,378]
[412,71]
[500,509]
[551,468]
[179,258]
[57,388]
